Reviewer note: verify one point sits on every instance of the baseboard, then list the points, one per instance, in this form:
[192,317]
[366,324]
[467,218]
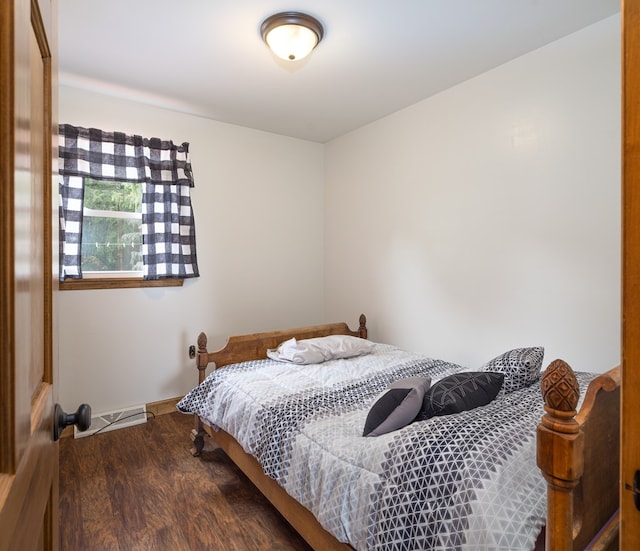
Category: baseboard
[163,406]
[160,407]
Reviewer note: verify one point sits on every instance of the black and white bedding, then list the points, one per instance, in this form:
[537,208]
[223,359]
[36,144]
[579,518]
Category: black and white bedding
[466,481]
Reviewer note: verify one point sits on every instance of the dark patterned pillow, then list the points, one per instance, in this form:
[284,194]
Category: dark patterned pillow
[397,406]
[521,367]
[460,392]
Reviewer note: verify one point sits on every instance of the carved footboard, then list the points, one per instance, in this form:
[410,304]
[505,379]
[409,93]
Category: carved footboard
[578,453]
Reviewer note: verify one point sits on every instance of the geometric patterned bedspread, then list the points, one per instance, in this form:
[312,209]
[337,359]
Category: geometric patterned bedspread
[467,481]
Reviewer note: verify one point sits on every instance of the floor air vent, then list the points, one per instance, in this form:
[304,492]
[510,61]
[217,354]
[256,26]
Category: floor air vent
[111,420]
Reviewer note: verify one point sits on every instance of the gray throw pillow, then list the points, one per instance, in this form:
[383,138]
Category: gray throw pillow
[397,406]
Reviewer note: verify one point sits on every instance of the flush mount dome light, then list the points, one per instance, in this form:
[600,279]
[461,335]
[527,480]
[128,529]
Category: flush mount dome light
[291,35]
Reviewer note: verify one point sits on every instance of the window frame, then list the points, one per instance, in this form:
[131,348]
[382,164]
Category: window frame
[92,283]
[92,280]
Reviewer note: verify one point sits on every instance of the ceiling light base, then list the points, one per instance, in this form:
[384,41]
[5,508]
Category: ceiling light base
[291,35]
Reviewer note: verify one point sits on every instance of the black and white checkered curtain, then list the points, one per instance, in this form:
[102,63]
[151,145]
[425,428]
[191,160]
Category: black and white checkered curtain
[71,204]
[164,169]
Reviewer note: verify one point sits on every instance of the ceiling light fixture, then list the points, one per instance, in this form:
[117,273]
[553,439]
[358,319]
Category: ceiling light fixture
[291,35]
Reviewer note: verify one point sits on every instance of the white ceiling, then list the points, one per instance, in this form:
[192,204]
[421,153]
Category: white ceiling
[206,57]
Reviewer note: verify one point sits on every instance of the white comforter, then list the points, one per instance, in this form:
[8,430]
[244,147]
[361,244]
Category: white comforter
[464,481]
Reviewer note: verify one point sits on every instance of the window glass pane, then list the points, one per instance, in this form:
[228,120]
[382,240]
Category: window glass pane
[112,243]
[119,196]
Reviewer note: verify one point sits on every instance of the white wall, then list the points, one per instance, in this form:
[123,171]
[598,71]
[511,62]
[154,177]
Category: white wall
[484,218]
[258,210]
[488,217]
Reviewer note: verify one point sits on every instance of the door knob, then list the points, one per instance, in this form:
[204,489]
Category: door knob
[81,419]
[635,489]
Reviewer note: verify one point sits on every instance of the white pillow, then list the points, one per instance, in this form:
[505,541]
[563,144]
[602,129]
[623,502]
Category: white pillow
[320,349]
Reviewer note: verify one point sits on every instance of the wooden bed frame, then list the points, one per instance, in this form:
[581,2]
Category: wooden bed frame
[578,452]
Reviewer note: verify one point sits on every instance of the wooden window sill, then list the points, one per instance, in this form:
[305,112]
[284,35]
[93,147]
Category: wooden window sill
[117,283]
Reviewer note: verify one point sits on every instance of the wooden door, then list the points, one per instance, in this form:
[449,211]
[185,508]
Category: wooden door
[630,426]
[28,454]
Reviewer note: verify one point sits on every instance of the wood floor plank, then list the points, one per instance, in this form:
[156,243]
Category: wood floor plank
[99,525]
[139,488]
[70,502]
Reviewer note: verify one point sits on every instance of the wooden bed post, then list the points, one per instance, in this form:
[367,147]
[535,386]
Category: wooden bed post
[560,453]
[202,359]
[578,454]
[362,329]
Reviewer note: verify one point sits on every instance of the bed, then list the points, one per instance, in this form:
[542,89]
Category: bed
[513,473]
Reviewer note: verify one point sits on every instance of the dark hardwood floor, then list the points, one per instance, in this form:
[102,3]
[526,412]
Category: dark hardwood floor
[139,489]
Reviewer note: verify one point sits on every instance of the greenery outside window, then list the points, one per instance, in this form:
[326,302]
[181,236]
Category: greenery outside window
[112,229]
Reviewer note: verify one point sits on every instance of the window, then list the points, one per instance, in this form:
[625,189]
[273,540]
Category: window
[125,210]
[112,229]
